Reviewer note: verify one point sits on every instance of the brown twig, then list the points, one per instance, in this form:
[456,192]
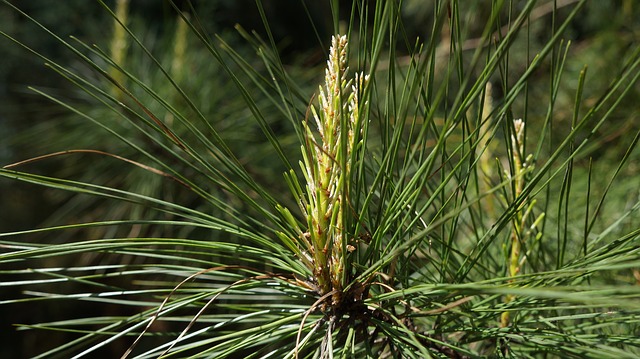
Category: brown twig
[67,152]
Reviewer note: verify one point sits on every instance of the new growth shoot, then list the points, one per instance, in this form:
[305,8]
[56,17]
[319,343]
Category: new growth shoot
[327,154]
